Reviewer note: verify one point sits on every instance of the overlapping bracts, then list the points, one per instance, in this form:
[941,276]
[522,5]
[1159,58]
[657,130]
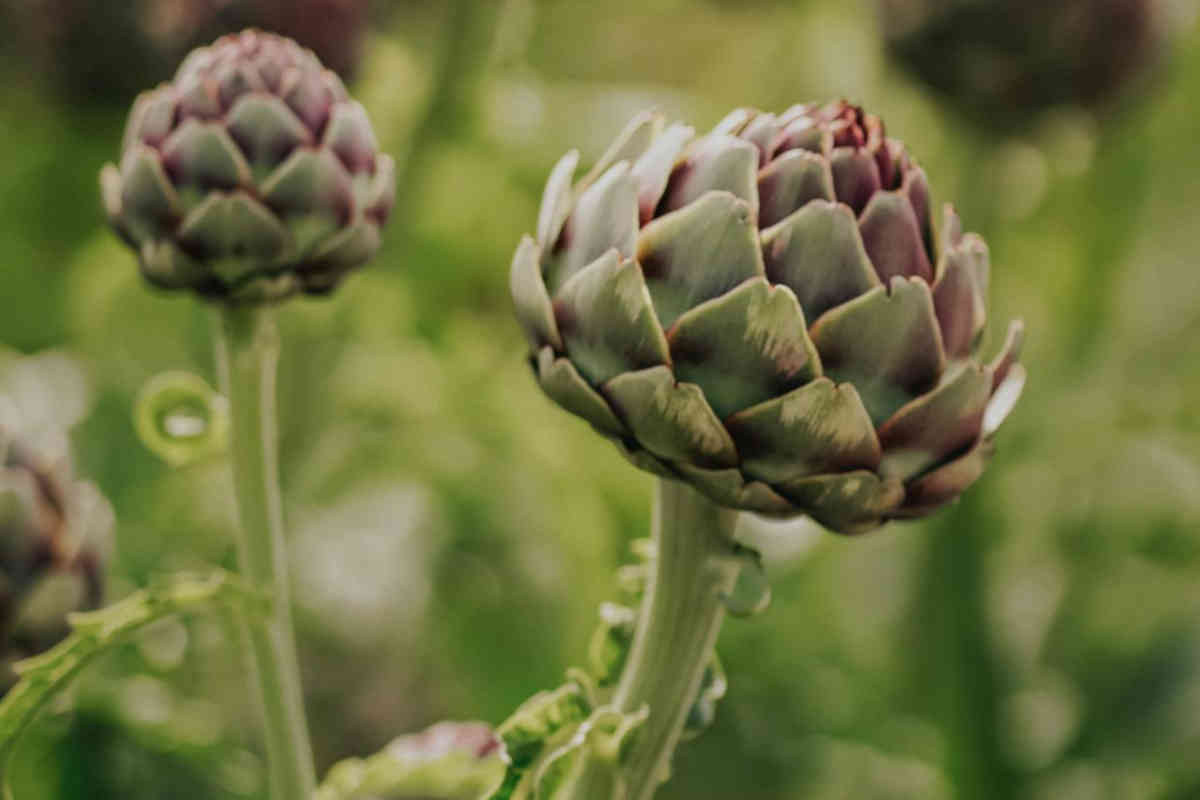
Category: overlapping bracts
[251,176]
[50,559]
[766,312]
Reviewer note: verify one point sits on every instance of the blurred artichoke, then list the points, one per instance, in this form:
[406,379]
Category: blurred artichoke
[766,313]
[50,552]
[101,50]
[1006,58]
[251,176]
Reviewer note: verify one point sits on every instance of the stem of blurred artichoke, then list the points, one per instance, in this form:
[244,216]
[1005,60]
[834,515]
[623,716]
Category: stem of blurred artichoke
[679,620]
[247,354]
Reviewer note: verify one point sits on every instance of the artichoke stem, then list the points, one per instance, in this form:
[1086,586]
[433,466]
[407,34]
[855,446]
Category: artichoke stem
[247,354]
[678,625]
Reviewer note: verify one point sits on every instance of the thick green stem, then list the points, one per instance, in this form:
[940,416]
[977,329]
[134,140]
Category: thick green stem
[680,618]
[248,351]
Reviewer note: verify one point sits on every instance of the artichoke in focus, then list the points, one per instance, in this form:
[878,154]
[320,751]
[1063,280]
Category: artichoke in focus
[51,538]
[1005,59]
[251,176]
[766,313]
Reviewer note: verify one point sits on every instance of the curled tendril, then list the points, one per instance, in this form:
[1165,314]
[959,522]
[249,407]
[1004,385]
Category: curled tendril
[181,419]
[607,735]
[96,632]
[751,595]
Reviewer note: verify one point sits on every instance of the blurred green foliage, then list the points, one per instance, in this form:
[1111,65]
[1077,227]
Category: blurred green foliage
[453,534]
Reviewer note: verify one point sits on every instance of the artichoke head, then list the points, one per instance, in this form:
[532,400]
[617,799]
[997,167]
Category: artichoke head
[766,313]
[50,561]
[251,176]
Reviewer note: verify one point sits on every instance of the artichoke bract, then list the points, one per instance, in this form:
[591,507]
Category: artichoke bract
[251,176]
[766,313]
[50,563]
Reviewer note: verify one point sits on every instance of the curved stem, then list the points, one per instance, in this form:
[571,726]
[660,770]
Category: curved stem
[680,618]
[247,354]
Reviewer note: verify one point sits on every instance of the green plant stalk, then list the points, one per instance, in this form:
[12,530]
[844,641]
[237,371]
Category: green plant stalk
[247,355]
[681,614]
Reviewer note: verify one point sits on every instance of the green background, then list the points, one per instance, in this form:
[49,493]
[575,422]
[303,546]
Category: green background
[453,532]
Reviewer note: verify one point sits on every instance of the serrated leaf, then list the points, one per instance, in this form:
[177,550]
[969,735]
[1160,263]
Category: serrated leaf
[448,761]
[96,632]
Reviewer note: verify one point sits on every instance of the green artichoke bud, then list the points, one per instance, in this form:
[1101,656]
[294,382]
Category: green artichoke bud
[1005,59]
[50,559]
[766,313]
[251,176]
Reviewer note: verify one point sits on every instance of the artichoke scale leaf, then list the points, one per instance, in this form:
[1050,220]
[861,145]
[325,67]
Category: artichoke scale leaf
[849,502]
[151,118]
[671,419]
[855,176]
[735,121]
[698,252]
[349,136]
[959,296]
[946,482]
[165,265]
[110,193]
[604,218]
[936,424]
[535,313]
[818,253]
[381,191]
[653,170]
[347,249]
[202,154]
[643,459]
[817,428]
[761,131]
[886,343]
[310,182]
[789,182]
[556,200]
[729,487]
[915,186]
[892,237]
[714,163]
[744,347]
[1010,351]
[236,232]
[563,384]
[631,143]
[149,203]
[266,130]
[1004,400]
[606,320]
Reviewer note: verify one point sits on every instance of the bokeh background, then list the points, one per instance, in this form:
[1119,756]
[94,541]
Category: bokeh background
[453,533]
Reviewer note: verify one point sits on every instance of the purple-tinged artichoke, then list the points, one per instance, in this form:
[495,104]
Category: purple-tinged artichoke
[1005,59]
[251,176]
[766,313]
[50,561]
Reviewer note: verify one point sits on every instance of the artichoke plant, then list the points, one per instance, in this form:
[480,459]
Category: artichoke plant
[1007,58]
[100,51]
[50,553]
[251,176]
[766,313]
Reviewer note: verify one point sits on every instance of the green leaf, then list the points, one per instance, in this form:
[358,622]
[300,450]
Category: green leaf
[97,632]
[448,761]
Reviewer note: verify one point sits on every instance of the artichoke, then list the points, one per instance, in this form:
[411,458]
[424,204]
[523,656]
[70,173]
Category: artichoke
[1005,59]
[766,313]
[101,51]
[50,561]
[251,176]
